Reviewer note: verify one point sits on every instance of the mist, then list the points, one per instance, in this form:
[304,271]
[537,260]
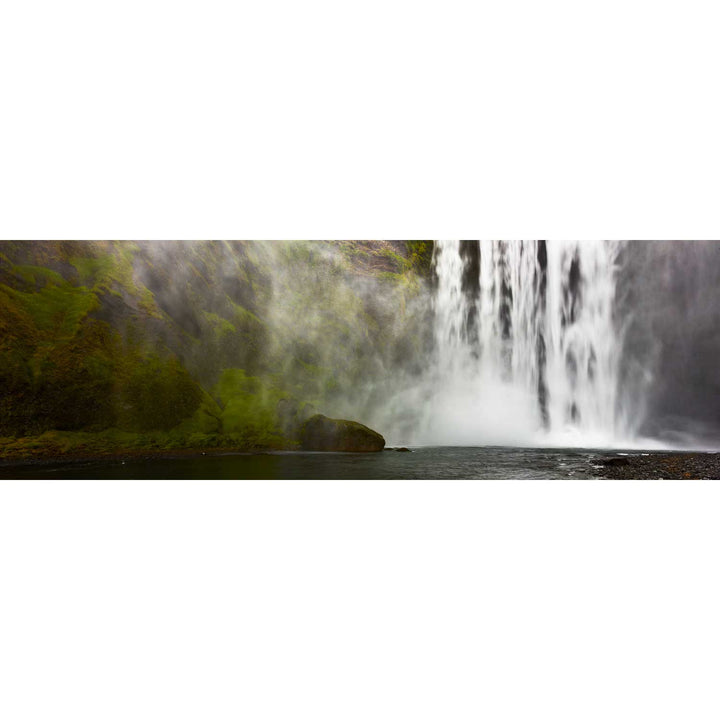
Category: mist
[575,344]
[520,343]
[669,308]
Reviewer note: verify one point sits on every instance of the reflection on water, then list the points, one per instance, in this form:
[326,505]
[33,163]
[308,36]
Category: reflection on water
[422,463]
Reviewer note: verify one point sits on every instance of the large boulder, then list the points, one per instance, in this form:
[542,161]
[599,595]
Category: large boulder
[324,433]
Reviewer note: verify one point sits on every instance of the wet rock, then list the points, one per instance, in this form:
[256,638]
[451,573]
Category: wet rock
[615,461]
[402,449]
[667,466]
[328,434]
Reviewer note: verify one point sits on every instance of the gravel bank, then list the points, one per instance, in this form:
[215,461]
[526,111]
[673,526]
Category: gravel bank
[665,466]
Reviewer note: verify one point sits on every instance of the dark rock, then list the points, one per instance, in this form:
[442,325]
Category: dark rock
[324,433]
[402,449]
[668,466]
[615,462]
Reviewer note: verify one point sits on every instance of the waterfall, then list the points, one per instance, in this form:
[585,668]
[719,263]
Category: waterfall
[526,347]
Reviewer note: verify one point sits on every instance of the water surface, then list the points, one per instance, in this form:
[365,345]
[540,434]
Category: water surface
[422,463]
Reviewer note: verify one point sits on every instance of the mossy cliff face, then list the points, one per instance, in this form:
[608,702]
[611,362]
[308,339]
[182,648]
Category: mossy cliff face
[106,346]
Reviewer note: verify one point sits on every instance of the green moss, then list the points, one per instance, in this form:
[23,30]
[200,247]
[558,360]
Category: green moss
[147,303]
[157,394]
[339,312]
[61,444]
[313,370]
[420,255]
[38,275]
[57,309]
[206,420]
[249,408]
[220,326]
[16,325]
[234,381]
[391,276]
[74,382]
[401,263]
[95,270]
[243,318]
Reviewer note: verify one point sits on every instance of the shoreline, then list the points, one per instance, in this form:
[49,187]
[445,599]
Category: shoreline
[130,454]
[43,460]
[662,465]
[609,465]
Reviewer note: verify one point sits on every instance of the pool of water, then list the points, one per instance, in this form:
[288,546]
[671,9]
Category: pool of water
[471,463]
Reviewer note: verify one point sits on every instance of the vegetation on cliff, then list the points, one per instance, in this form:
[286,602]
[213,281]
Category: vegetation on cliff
[109,346]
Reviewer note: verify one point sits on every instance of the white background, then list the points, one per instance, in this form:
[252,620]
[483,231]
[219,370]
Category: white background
[374,600]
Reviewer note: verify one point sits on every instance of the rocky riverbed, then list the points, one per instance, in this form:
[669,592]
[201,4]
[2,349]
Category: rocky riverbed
[664,465]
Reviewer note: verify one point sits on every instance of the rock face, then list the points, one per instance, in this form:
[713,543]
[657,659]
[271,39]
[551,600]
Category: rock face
[324,433]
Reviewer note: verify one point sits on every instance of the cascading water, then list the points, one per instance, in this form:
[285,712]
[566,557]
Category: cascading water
[526,347]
